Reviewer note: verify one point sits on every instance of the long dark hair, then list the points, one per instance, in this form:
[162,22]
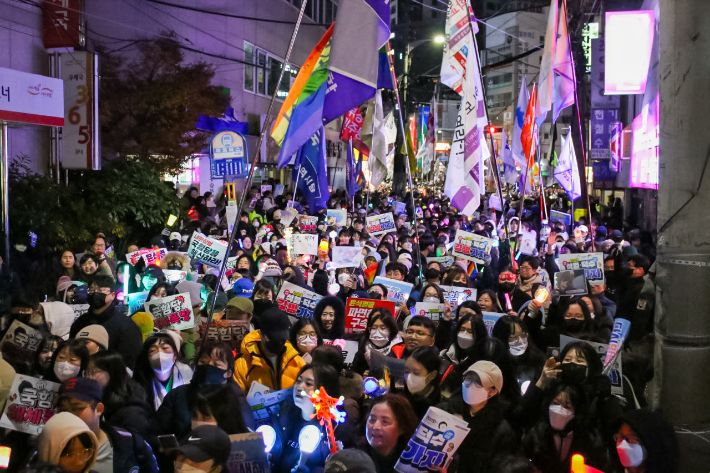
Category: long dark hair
[429,358]
[480,333]
[117,389]
[383,314]
[48,342]
[439,292]
[221,402]
[143,372]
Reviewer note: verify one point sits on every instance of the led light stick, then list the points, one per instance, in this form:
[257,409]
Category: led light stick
[327,412]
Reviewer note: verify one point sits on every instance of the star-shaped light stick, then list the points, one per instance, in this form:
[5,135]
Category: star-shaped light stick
[327,412]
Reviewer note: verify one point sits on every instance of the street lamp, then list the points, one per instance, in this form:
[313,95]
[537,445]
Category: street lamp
[438,39]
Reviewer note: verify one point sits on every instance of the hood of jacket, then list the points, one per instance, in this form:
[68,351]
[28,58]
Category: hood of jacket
[298,278]
[338,330]
[57,433]
[176,256]
[59,317]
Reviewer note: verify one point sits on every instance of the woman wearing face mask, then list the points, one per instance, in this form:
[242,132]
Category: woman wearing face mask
[158,369]
[380,335]
[468,332]
[576,322]
[422,379]
[602,320]
[329,316]
[456,276]
[69,361]
[479,405]
[646,443]
[391,422]
[527,360]
[214,367]
[304,337]
[42,365]
[564,431]
[433,272]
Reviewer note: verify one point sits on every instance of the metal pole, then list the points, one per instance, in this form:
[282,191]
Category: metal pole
[247,186]
[542,183]
[406,150]
[4,190]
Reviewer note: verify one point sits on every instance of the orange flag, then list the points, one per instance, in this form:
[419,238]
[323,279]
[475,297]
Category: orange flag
[527,137]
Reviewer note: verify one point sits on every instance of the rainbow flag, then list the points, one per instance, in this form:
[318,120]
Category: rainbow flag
[472,269]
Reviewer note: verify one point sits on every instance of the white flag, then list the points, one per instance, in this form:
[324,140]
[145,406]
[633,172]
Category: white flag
[544,88]
[378,150]
[563,87]
[510,174]
[516,144]
[567,170]
[458,43]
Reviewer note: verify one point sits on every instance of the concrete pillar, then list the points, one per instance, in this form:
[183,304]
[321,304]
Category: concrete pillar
[681,387]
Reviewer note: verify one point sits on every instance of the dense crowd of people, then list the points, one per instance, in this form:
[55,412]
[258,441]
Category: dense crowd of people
[531,388]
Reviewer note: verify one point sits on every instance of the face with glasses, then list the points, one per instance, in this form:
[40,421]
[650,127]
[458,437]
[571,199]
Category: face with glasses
[97,374]
[307,339]
[417,336]
[75,456]
[526,271]
[517,334]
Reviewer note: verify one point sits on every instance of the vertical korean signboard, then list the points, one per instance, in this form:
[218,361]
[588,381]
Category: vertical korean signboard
[80,133]
[61,23]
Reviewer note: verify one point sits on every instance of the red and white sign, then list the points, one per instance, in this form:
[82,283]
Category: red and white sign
[31,98]
[357,312]
[61,23]
[78,74]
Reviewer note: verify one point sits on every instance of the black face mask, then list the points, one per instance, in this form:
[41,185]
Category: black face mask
[431,273]
[208,374]
[260,305]
[573,373]
[459,284]
[274,346]
[506,286]
[383,254]
[96,300]
[573,325]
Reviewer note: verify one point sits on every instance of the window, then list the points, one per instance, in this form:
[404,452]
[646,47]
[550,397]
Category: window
[265,73]
[261,72]
[248,70]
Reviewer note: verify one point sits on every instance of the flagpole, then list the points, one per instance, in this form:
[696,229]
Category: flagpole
[295,187]
[542,183]
[250,177]
[406,150]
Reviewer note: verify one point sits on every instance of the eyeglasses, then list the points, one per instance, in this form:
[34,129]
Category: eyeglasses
[418,334]
[92,372]
[82,455]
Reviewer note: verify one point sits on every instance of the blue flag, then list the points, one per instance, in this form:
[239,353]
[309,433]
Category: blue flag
[350,171]
[311,171]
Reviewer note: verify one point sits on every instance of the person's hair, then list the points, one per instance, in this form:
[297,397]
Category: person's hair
[324,375]
[478,327]
[641,261]
[504,327]
[112,362]
[385,291]
[429,358]
[143,372]
[221,349]
[588,322]
[532,261]
[420,321]
[470,305]
[596,303]
[77,347]
[396,266]
[383,314]
[252,265]
[576,397]
[439,292]
[89,256]
[453,273]
[426,241]
[105,281]
[169,289]
[211,281]
[344,231]
[594,363]
[491,293]
[513,464]
[47,341]
[221,402]
[262,285]
[298,326]
[328,355]
[407,420]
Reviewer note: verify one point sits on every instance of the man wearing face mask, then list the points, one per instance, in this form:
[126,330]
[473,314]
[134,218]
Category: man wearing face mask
[646,443]
[124,335]
[432,273]
[267,356]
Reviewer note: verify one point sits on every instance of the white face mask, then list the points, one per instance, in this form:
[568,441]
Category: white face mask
[560,417]
[415,384]
[630,454]
[473,395]
[432,299]
[343,278]
[518,347]
[308,341]
[380,337]
[198,423]
[162,362]
[465,340]
[65,370]
[591,314]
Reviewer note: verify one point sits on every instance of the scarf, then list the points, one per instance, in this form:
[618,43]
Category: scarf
[527,285]
[159,391]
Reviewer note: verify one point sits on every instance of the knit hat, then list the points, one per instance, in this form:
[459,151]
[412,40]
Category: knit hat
[489,373]
[175,335]
[145,322]
[275,324]
[59,317]
[272,268]
[95,333]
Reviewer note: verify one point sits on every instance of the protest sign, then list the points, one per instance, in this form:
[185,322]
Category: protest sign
[456,295]
[307,224]
[444,261]
[296,301]
[336,217]
[135,301]
[357,312]
[288,215]
[494,203]
[279,189]
[561,217]
[148,255]
[172,312]
[591,263]
[397,291]
[348,347]
[30,404]
[265,188]
[528,242]
[387,368]
[231,332]
[399,207]
[471,247]
[571,283]
[206,250]
[247,454]
[20,343]
[616,373]
[347,257]
[490,319]
[304,244]
[433,444]
[79,309]
[430,310]
[266,407]
[175,276]
[380,224]
[257,389]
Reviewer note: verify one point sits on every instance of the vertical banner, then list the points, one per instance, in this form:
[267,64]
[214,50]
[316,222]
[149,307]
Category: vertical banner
[80,121]
[61,23]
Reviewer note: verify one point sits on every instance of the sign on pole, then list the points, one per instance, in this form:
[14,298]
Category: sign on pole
[228,151]
[80,135]
[31,98]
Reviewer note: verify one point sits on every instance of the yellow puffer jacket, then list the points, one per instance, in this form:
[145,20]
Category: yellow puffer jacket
[251,366]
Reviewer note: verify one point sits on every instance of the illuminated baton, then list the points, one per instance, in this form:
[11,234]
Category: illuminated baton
[578,465]
[327,412]
[618,337]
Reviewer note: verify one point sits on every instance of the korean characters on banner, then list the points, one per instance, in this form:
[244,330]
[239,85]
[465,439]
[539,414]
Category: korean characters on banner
[471,247]
[304,244]
[456,295]
[444,261]
[296,301]
[135,301]
[591,263]
[397,291]
[20,343]
[433,444]
[430,310]
[206,250]
[231,332]
[172,312]
[266,407]
[307,224]
[357,311]
[149,255]
[30,404]
[247,453]
[380,224]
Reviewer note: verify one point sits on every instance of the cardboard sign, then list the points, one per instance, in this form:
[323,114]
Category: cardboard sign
[444,261]
[265,188]
[307,224]
[135,301]
[279,189]
[336,217]
[148,255]
[591,263]
[304,244]
[380,224]
[172,312]
[397,291]
[615,375]
[571,283]
[528,242]
[79,309]
[30,404]
[471,247]
[388,368]
[206,250]
[258,389]
[288,215]
[456,295]
[433,444]
[490,319]
[247,454]
[266,408]
[231,332]
[561,217]
[347,257]
[399,207]
[430,310]
[175,276]
[296,301]
[357,312]
[20,344]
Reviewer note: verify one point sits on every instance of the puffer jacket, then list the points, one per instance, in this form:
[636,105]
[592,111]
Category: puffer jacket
[252,366]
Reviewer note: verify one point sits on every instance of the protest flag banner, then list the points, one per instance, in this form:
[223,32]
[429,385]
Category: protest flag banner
[135,301]
[149,255]
[172,312]
[397,291]
[231,332]
[591,263]
[207,250]
[430,310]
[357,312]
[380,224]
[472,247]
[296,301]
[30,404]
